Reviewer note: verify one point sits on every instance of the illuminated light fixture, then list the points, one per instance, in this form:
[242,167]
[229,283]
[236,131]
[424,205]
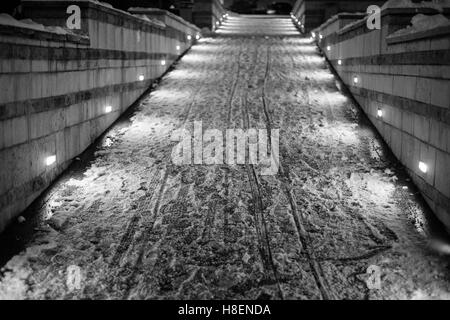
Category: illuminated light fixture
[328,48]
[423,167]
[163,62]
[355,79]
[108,109]
[50,160]
[340,62]
[313,34]
[189,37]
[197,37]
[217,23]
[141,77]
[320,36]
[379,113]
[178,48]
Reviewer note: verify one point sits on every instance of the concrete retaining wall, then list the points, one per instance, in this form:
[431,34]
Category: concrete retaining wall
[62,91]
[407,80]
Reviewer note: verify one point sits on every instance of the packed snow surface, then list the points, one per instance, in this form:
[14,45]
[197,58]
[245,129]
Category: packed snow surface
[132,225]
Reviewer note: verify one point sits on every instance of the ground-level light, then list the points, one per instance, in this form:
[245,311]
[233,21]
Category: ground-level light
[313,34]
[340,62]
[355,79]
[178,48]
[189,37]
[379,113]
[423,167]
[50,160]
[141,77]
[328,48]
[163,62]
[197,37]
[320,36]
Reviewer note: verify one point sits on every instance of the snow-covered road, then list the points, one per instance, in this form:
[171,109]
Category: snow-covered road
[137,226]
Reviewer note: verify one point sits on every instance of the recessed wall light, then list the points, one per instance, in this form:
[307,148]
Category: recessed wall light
[141,77]
[189,37]
[423,167]
[340,62]
[108,109]
[50,160]
[379,113]
[163,62]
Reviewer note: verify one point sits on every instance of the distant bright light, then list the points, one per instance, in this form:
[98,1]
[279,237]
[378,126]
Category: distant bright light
[423,167]
[50,160]
[313,34]
[340,62]
[178,48]
[141,77]
[320,36]
[328,48]
[163,62]
[197,37]
[380,113]
[355,79]
[189,37]
[217,23]
[108,109]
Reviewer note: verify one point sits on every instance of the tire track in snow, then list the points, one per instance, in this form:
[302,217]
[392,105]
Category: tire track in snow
[286,182]
[258,207]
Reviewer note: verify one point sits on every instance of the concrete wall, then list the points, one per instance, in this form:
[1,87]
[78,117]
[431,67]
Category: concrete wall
[407,78]
[55,88]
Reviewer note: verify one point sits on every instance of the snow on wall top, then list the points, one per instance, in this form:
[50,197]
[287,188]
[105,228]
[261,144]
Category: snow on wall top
[148,19]
[421,22]
[7,20]
[434,4]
